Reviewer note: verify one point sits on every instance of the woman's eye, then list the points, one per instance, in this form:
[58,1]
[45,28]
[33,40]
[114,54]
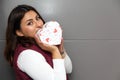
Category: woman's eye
[38,18]
[29,23]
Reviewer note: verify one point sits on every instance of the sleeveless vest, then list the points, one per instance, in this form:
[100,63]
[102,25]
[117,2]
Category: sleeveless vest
[20,75]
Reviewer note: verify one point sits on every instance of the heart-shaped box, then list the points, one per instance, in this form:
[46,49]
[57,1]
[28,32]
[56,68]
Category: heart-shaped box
[51,33]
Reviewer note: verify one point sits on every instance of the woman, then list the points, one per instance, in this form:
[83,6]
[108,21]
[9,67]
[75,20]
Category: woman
[31,59]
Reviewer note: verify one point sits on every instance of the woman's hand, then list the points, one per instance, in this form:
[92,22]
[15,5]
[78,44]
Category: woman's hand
[44,46]
[50,48]
[61,46]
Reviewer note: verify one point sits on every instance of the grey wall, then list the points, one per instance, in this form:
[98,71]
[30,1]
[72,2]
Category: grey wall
[91,32]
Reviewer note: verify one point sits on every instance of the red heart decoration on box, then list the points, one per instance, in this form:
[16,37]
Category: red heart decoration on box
[51,33]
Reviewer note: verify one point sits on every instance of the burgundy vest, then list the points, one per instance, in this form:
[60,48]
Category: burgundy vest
[20,75]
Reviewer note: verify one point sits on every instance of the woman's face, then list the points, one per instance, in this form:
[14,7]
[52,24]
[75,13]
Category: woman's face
[30,24]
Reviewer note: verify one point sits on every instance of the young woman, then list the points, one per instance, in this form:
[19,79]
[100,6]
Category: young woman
[30,58]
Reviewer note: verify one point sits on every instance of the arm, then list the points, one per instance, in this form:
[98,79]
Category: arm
[67,62]
[35,65]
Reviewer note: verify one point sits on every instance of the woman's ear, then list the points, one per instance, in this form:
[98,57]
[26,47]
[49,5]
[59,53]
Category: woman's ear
[19,33]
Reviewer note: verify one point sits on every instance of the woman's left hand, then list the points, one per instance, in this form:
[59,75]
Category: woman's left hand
[61,46]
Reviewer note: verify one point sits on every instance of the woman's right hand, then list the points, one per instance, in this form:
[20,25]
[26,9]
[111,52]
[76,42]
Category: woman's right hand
[50,48]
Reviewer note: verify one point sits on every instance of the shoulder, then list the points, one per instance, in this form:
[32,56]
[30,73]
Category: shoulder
[19,49]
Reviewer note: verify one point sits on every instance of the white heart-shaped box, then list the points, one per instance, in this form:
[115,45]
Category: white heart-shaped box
[51,33]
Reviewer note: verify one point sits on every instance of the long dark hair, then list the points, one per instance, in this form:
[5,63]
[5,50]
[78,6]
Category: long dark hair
[14,21]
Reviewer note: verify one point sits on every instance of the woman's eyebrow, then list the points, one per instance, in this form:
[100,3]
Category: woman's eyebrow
[32,19]
[28,20]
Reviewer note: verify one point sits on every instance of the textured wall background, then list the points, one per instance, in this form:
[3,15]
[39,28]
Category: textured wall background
[91,32]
